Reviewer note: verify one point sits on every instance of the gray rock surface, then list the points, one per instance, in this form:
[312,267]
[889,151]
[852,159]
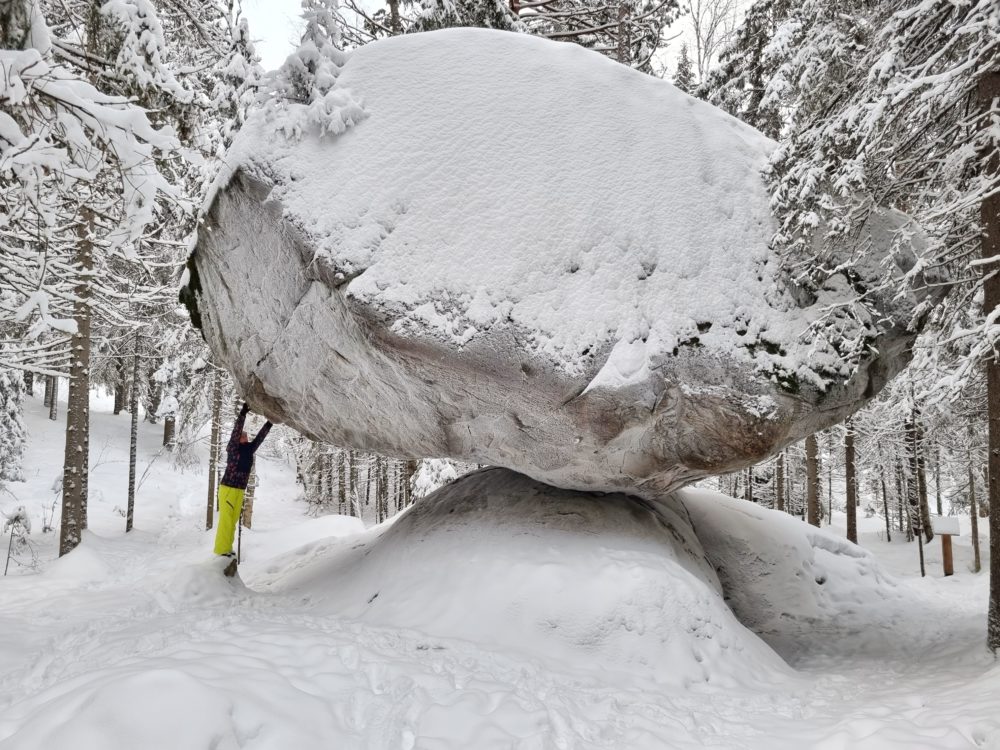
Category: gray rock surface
[323,330]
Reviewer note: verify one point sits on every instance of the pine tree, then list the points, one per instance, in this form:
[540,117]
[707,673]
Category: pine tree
[96,243]
[684,76]
[744,82]
[445,14]
[13,435]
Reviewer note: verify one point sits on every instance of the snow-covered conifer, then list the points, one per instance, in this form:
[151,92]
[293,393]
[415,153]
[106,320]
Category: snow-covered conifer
[747,64]
[303,90]
[684,75]
[485,14]
[12,432]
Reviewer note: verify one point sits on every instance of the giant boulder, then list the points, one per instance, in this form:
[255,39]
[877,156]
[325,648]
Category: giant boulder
[516,252]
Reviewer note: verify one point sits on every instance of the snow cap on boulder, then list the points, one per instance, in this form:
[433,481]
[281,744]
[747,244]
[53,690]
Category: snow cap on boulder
[516,252]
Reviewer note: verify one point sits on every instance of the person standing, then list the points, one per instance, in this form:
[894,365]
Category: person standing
[239,461]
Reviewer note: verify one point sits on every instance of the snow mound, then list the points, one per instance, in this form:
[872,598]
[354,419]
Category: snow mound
[525,255]
[197,584]
[789,581]
[83,565]
[600,584]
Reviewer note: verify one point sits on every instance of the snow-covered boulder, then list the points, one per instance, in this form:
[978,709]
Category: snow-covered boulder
[598,583]
[510,251]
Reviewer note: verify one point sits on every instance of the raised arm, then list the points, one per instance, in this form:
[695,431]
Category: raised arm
[261,435]
[234,439]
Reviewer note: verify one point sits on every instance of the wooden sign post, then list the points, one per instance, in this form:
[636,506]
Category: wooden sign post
[946,527]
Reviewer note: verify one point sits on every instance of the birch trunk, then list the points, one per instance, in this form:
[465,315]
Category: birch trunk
[246,518]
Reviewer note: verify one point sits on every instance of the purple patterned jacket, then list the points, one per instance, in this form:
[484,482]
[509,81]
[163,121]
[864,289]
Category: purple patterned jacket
[239,457]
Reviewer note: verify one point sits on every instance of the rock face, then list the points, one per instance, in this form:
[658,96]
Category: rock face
[515,252]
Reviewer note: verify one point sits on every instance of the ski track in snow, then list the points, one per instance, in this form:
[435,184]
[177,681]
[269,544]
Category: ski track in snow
[140,639]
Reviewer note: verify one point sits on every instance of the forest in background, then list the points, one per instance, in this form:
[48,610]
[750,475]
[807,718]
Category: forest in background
[116,117]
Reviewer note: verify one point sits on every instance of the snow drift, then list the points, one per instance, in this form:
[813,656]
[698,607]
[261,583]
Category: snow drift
[790,582]
[516,252]
[610,584]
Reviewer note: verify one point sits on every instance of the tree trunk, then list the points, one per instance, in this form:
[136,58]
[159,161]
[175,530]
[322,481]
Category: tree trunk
[29,383]
[331,476]
[120,368]
[409,472]
[47,398]
[153,397]
[624,53]
[396,27]
[850,479]
[246,517]
[912,485]
[352,493]
[829,485]
[913,491]
[989,92]
[779,482]
[937,478]
[790,507]
[213,448]
[77,464]
[977,562]
[925,508]
[54,396]
[133,434]
[342,499]
[385,486]
[885,508]
[169,429]
[901,514]
[749,491]
[812,480]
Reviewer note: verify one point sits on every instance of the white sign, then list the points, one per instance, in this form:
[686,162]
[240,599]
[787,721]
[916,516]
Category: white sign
[945,525]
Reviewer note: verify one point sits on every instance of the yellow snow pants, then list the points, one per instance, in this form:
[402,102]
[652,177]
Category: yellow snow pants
[230,504]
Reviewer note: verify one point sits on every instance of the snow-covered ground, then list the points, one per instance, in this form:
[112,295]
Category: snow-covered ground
[137,641]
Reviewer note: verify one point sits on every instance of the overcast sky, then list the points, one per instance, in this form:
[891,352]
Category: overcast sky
[274,28]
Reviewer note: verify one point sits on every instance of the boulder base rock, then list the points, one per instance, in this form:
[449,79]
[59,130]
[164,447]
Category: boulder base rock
[516,252]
